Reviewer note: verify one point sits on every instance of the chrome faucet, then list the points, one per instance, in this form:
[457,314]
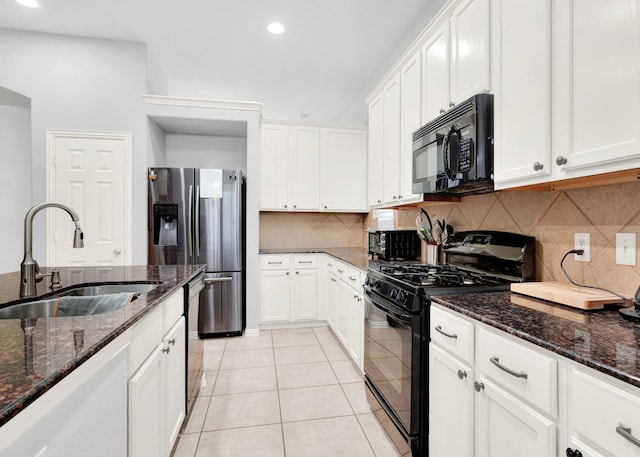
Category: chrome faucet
[29,269]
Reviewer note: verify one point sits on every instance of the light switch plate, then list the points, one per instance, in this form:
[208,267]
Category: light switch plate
[626,249]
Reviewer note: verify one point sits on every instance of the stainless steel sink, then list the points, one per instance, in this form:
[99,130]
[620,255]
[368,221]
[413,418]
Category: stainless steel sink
[47,308]
[83,301]
[104,289]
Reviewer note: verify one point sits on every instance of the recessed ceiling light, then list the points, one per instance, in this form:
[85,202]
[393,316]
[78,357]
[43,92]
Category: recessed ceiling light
[29,3]
[275,28]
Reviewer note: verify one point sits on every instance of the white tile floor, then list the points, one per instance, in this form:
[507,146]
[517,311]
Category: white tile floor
[284,393]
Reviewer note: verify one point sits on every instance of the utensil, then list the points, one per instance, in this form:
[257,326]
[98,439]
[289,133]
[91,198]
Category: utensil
[426,225]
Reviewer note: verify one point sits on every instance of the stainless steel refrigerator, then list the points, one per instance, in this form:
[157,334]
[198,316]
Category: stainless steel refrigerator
[196,216]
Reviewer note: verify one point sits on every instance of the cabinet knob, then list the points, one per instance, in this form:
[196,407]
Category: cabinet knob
[537,166]
[325,206]
[478,386]
[441,110]
[573,452]
[287,273]
[399,197]
[379,201]
[462,374]
[295,206]
[560,160]
[297,272]
[451,104]
[167,349]
[285,206]
[172,341]
[117,251]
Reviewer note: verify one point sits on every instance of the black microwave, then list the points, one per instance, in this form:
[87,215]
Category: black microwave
[394,244]
[454,152]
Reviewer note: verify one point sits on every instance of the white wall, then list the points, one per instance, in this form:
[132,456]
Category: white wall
[15,175]
[78,84]
[205,151]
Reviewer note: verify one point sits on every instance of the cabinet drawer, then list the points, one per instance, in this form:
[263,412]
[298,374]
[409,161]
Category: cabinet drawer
[173,308]
[353,278]
[304,262]
[597,409]
[274,262]
[523,371]
[452,333]
[146,335]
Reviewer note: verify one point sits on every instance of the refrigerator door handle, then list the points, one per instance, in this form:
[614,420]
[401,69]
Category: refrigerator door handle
[189,222]
[197,221]
[216,280]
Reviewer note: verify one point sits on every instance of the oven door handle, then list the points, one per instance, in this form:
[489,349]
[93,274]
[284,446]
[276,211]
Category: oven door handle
[398,315]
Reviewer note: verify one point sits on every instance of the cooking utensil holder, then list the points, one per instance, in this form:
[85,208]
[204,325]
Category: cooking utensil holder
[434,254]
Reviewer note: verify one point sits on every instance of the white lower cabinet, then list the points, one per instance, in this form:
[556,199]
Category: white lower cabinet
[157,391]
[505,425]
[288,288]
[521,400]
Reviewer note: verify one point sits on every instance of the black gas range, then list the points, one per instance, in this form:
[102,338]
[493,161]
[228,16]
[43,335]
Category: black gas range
[397,301]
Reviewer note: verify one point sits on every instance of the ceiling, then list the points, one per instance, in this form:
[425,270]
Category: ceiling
[320,69]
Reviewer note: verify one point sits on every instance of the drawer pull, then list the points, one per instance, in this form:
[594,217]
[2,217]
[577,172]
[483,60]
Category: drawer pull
[352,278]
[625,432]
[448,335]
[496,362]
[333,279]
[209,281]
[329,264]
[274,263]
[340,271]
[305,261]
[462,374]
[478,386]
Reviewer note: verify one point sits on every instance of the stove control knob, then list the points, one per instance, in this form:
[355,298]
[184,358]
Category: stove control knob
[375,283]
[367,281]
[394,293]
[402,297]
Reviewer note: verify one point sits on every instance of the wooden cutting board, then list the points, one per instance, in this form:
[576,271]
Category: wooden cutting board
[567,294]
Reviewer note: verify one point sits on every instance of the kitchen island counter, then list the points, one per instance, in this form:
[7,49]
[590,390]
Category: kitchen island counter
[32,366]
[600,339]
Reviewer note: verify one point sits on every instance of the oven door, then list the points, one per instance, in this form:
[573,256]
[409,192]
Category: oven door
[392,353]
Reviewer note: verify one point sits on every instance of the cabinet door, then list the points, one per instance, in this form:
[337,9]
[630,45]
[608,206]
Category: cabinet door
[410,120]
[344,162]
[342,302]
[174,371]
[304,173]
[451,409]
[146,408]
[391,161]
[596,86]
[275,296]
[435,60]
[356,329]
[376,150]
[305,295]
[273,167]
[522,92]
[470,56]
[504,425]
[332,286]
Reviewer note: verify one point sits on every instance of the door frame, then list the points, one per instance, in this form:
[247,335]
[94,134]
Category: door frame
[51,136]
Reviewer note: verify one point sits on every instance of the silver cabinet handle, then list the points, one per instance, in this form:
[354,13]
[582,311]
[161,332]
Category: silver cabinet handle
[496,361]
[333,280]
[560,160]
[448,335]
[441,110]
[297,272]
[285,206]
[462,374]
[287,273]
[274,263]
[340,271]
[117,251]
[216,280]
[625,432]
[478,386]
[295,206]
[305,261]
[167,349]
[451,104]
[537,166]
[352,278]
[329,264]
[172,341]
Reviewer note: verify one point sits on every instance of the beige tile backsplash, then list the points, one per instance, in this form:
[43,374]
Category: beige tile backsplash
[551,217]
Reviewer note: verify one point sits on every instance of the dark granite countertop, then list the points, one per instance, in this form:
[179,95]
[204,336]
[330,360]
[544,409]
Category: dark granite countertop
[52,345]
[600,339]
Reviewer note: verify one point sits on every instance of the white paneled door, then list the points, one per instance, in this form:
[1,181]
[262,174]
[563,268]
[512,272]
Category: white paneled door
[91,173]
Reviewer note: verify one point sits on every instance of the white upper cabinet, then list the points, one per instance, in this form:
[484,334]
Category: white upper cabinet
[597,86]
[376,151]
[522,86]
[410,120]
[343,169]
[456,58]
[567,91]
[292,177]
[391,141]
[435,59]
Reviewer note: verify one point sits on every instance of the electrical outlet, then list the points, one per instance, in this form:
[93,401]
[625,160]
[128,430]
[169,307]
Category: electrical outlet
[626,249]
[582,241]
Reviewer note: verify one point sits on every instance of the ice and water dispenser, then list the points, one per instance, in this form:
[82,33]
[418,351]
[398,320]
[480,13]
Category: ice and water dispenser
[165,224]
